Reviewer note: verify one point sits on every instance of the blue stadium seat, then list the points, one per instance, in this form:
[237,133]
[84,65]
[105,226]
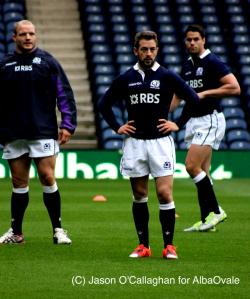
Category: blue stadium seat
[230,102]
[114,144]
[104,69]
[164,19]
[95,38]
[13,7]
[240,145]
[118,18]
[103,79]
[12,17]
[139,9]
[95,18]
[102,58]
[223,146]
[238,135]
[92,8]
[236,123]
[234,112]
[99,49]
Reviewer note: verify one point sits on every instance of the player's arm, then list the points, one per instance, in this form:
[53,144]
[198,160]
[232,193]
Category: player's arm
[229,87]
[112,95]
[127,128]
[175,103]
[65,99]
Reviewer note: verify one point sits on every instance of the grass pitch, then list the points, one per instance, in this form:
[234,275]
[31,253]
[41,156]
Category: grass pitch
[210,265]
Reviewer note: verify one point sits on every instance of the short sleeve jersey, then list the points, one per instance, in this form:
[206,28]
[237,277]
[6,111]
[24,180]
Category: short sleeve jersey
[202,74]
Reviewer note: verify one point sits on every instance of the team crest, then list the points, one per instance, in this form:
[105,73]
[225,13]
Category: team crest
[199,71]
[167,165]
[36,60]
[47,147]
[198,135]
[155,84]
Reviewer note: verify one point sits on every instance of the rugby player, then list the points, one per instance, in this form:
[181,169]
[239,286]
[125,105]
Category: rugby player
[32,84]
[212,80]
[147,89]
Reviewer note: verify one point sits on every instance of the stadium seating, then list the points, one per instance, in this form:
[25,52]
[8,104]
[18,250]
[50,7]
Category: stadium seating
[11,11]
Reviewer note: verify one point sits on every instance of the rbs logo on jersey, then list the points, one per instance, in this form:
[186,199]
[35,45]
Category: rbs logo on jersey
[145,98]
[23,68]
[196,83]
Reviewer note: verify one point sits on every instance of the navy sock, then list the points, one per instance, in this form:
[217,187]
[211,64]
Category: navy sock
[52,202]
[19,203]
[141,219]
[167,220]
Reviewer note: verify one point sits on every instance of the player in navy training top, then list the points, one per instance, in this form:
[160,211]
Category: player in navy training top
[212,80]
[147,90]
[32,84]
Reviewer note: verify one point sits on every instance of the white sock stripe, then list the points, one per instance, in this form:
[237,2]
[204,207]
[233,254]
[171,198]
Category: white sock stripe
[199,177]
[167,206]
[50,189]
[21,190]
[142,200]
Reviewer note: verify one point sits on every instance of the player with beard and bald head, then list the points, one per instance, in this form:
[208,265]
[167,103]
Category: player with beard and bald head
[147,89]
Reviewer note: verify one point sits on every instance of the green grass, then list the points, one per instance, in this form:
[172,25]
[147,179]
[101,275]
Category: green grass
[103,235]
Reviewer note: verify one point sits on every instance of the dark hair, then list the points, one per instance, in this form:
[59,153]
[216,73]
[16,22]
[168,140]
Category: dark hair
[195,28]
[148,35]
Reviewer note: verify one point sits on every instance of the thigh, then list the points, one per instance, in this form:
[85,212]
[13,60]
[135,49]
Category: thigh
[46,169]
[139,187]
[19,169]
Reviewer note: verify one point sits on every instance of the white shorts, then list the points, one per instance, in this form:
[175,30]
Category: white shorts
[206,130]
[151,156]
[34,148]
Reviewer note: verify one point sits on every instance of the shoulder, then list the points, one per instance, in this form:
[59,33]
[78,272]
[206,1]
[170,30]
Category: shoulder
[214,62]
[45,55]
[8,58]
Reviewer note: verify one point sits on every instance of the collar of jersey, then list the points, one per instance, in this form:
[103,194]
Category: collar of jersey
[203,55]
[154,67]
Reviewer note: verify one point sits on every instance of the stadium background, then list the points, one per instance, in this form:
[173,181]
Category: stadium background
[93,41]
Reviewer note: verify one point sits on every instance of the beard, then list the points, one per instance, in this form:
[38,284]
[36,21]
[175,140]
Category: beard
[146,63]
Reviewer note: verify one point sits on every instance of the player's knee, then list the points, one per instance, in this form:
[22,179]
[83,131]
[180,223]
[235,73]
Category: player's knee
[19,182]
[165,196]
[190,167]
[47,179]
[140,193]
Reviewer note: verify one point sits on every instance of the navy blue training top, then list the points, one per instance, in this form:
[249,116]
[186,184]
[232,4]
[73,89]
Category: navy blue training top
[31,85]
[147,97]
[203,73]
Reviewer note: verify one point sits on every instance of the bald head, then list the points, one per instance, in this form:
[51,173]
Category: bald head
[24,35]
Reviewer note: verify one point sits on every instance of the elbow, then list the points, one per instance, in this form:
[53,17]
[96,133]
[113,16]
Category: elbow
[236,90]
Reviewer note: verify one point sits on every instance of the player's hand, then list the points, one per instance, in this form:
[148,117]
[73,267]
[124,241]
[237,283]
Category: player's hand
[166,126]
[63,136]
[127,128]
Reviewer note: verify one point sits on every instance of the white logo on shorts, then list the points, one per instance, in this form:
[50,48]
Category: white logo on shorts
[167,165]
[47,147]
[198,135]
